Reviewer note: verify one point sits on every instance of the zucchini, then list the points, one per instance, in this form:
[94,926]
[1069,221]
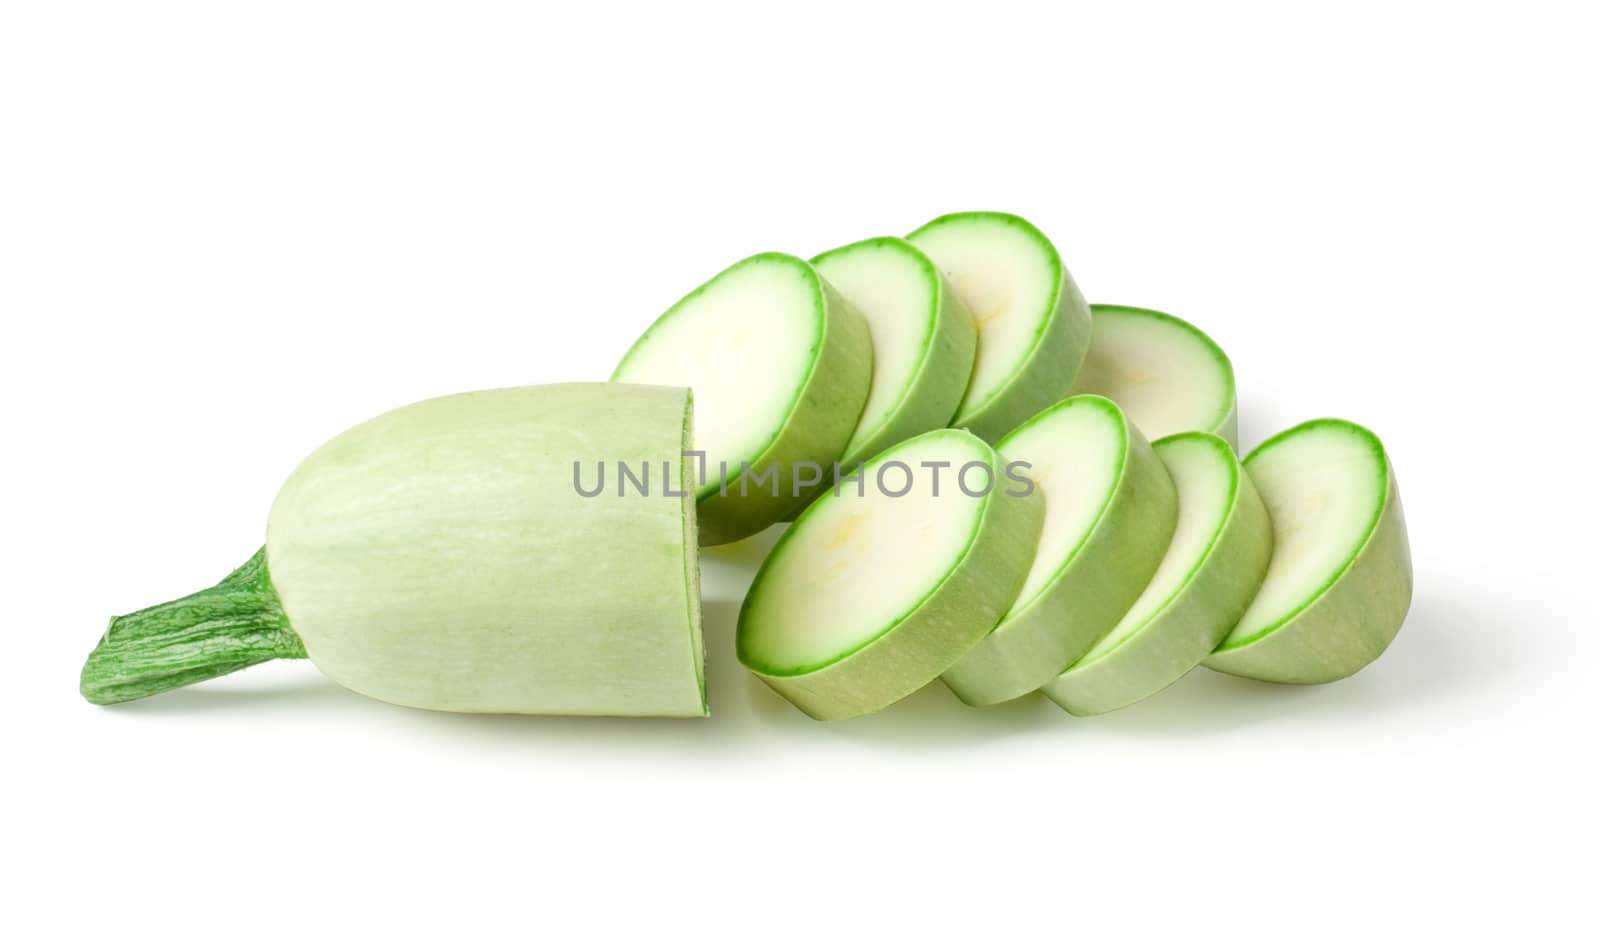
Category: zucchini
[442,556]
[1339,584]
[1033,324]
[1165,373]
[923,340]
[1110,509]
[1211,571]
[881,584]
[780,366]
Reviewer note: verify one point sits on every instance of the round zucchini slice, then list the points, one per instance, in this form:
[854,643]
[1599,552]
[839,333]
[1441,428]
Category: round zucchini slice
[1212,569]
[780,366]
[1033,324]
[1110,509]
[882,583]
[1339,585]
[923,340]
[1166,374]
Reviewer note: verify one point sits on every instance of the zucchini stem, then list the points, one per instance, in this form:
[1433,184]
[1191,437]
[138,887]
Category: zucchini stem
[234,624]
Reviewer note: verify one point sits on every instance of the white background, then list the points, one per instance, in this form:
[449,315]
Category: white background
[229,231]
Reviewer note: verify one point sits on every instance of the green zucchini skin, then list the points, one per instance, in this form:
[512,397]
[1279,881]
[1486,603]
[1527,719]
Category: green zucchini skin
[441,556]
[1045,373]
[1355,617]
[1194,617]
[940,629]
[1091,590]
[817,430]
[820,415]
[930,400]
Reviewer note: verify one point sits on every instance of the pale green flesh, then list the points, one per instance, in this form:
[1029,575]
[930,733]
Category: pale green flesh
[1033,326]
[867,600]
[440,557]
[915,330]
[857,564]
[1075,458]
[746,343]
[1211,570]
[1167,375]
[1206,485]
[1110,508]
[1325,487]
[1009,283]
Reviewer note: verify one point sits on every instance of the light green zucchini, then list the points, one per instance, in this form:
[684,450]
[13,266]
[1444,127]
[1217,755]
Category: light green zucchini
[1110,509]
[1211,570]
[880,585]
[780,366]
[444,556]
[923,340]
[1339,585]
[1033,324]
[1165,373]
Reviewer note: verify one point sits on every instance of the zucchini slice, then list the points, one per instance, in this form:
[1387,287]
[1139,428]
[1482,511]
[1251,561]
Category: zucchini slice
[881,584]
[780,366]
[1110,509]
[1033,324]
[1166,374]
[1339,585]
[1212,569]
[923,340]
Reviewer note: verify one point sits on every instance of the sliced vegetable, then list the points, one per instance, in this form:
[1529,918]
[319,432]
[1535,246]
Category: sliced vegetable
[880,585]
[780,366]
[1110,510]
[923,340]
[1339,584]
[1166,374]
[1033,325]
[443,556]
[1212,569]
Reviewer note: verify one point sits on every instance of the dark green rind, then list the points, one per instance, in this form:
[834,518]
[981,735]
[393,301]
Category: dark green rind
[234,624]
[947,622]
[1045,374]
[1355,615]
[1199,613]
[1090,592]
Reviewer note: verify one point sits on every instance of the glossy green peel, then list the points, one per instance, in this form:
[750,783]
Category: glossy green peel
[1110,509]
[780,366]
[1339,584]
[871,594]
[1211,570]
[441,556]
[1033,324]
